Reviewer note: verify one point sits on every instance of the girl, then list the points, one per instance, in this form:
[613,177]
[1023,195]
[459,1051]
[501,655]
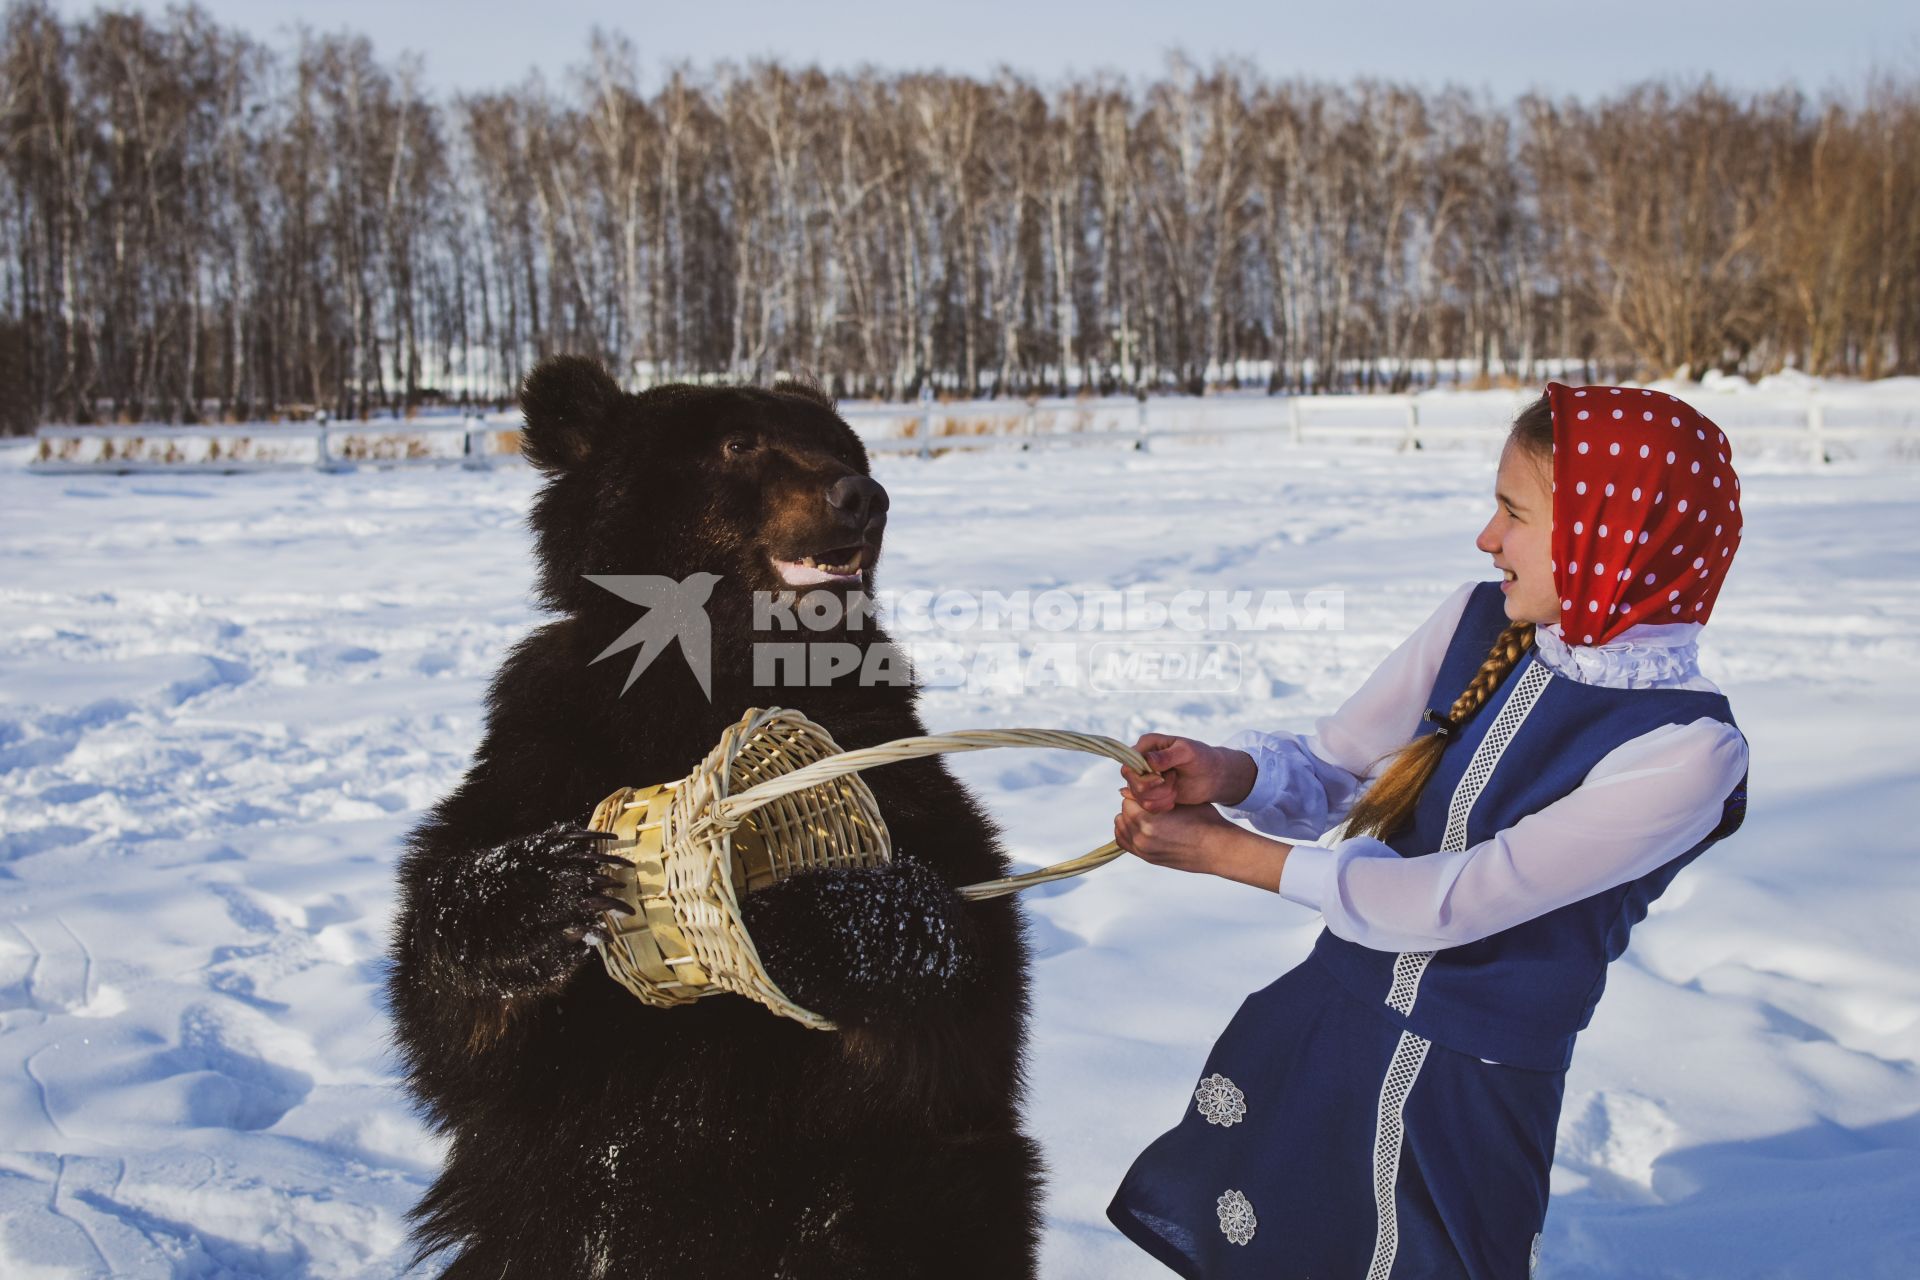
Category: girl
[1552,758]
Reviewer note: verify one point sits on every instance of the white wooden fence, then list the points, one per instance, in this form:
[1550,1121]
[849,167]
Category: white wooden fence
[1817,427]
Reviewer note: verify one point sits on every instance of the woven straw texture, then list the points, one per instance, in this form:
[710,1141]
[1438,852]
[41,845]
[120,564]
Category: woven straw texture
[776,797]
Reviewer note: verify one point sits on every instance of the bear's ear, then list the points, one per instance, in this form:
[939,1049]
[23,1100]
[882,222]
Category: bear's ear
[804,386]
[567,401]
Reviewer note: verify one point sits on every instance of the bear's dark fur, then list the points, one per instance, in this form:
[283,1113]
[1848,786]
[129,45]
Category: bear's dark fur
[592,1135]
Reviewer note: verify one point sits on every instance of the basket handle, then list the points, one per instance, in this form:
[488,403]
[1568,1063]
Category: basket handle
[731,810]
[1042,875]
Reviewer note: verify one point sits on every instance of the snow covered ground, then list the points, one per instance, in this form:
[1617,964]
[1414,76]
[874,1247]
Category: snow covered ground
[223,699]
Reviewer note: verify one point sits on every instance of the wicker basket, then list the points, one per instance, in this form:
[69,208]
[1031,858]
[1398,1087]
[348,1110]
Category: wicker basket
[776,797]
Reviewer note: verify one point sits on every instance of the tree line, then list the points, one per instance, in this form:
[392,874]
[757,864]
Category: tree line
[196,226]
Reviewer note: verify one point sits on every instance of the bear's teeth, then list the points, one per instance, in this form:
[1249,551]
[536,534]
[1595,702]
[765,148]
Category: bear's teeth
[804,574]
[842,569]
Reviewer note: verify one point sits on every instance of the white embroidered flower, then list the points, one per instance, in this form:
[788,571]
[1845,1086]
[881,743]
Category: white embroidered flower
[1220,1100]
[1236,1217]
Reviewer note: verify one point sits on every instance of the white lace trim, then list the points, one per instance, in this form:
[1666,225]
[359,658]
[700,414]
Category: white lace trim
[1390,1130]
[1647,655]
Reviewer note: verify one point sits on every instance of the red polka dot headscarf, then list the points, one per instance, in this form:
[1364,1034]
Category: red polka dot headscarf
[1646,510]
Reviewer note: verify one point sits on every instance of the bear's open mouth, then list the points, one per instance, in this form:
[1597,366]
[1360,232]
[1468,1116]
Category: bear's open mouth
[836,564]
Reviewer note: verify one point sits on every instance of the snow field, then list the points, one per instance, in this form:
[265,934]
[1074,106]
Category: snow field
[223,700]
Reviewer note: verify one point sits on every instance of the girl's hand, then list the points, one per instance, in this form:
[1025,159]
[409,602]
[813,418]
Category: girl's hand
[1190,772]
[1197,838]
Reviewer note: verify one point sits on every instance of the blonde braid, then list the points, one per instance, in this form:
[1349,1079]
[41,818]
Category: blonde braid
[1387,805]
[1508,648]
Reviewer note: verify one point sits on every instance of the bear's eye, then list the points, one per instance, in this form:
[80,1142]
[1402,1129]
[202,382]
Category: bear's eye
[736,446]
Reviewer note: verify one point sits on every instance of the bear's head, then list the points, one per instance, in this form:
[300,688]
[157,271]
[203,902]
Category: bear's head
[768,489]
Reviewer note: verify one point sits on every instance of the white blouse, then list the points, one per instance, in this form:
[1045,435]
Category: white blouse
[1644,803]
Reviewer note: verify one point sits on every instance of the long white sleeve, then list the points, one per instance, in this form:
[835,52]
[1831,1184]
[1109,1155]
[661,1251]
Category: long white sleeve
[1644,803]
[1305,783]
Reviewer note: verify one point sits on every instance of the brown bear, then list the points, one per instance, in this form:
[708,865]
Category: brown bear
[590,1134]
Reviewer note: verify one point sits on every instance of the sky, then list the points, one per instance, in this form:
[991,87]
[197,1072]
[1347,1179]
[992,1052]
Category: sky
[1505,48]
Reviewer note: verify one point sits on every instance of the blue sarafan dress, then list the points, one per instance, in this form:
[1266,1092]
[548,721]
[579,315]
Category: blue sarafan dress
[1376,1115]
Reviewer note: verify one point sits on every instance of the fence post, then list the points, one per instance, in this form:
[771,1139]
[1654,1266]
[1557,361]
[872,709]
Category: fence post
[323,453]
[474,452]
[1140,440]
[926,419]
[1293,419]
[1412,440]
[1817,429]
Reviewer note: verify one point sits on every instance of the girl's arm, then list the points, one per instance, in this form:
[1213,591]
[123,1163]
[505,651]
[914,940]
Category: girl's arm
[1643,804]
[1646,802]
[1304,783]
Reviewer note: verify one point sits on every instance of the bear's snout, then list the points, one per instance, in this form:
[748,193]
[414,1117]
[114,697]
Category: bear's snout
[859,501]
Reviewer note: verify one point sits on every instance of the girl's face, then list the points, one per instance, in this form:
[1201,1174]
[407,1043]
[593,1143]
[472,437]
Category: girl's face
[1520,536]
